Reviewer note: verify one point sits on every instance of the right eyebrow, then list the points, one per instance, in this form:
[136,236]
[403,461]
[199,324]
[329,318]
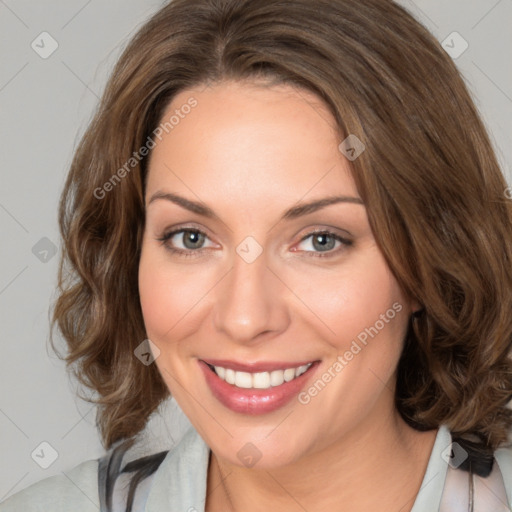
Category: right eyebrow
[188,204]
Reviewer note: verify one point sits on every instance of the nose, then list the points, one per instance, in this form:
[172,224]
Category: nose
[250,302]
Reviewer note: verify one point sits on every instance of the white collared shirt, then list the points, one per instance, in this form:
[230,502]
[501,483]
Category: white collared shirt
[179,483]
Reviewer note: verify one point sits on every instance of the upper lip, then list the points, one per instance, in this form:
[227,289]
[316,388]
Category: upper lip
[260,366]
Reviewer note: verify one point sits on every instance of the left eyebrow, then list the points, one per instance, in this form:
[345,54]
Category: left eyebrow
[313,206]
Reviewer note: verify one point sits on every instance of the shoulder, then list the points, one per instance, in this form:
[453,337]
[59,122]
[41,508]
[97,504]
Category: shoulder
[170,479]
[76,489]
[503,457]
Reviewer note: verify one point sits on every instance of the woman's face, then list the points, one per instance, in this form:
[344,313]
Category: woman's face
[241,285]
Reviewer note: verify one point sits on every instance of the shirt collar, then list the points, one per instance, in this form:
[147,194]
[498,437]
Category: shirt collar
[431,490]
[180,482]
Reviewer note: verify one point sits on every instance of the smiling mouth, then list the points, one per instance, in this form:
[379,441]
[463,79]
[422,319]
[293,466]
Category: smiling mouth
[258,380]
[255,388]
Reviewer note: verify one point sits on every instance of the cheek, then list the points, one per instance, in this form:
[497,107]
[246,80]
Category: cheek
[364,308]
[167,293]
[361,300]
[155,302]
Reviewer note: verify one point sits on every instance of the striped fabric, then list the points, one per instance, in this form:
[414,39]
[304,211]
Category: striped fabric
[474,485]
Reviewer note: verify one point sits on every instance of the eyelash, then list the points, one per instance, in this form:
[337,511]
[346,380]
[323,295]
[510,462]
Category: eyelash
[193,253]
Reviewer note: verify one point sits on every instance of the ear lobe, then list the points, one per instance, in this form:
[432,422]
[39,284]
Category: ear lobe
[416,308]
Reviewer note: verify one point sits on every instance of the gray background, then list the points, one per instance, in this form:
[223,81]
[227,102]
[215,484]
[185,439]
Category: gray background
[45,107]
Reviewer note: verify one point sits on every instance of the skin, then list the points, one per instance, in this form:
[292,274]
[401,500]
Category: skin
[250,152]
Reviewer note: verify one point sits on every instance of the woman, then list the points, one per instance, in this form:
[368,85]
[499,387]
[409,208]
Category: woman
[289,217]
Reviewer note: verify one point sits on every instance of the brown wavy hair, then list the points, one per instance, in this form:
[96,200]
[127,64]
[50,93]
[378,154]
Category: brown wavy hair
[429,178]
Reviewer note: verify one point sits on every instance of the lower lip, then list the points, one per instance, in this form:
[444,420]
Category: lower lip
[254,401]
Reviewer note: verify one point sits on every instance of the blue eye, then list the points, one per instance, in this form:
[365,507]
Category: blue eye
[191,242]
[322,243]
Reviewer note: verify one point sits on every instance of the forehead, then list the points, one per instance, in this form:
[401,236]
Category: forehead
[250,141]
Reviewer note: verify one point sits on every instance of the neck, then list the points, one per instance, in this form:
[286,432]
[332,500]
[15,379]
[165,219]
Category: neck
[375,466]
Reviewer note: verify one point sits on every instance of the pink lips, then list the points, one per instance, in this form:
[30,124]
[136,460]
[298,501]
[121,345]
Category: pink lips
[264,366]
[254,401]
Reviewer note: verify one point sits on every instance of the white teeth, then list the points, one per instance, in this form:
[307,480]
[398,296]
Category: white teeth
[230,376]
[260,380]
[300,370]
[276,377]
[243,380]
[289,374]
